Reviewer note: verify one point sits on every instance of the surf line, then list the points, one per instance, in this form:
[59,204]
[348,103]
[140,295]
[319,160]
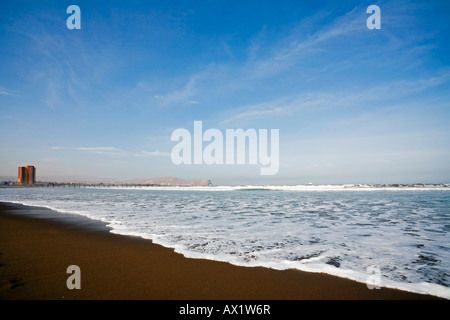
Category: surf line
[231,150]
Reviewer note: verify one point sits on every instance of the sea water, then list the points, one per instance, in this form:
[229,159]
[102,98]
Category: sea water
[401,231]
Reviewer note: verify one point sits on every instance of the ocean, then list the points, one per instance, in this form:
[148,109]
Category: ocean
[401,232]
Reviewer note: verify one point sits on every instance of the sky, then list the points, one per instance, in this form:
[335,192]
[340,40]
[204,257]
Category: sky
[352,104]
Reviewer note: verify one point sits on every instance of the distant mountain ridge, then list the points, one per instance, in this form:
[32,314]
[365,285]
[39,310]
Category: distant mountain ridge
[171,181]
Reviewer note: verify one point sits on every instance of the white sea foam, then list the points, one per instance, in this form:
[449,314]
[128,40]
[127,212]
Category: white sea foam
[340,230]
[347,187]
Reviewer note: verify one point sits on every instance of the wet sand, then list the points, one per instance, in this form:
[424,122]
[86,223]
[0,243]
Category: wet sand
[37,245]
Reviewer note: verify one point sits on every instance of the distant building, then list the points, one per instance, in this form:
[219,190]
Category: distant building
[26,175]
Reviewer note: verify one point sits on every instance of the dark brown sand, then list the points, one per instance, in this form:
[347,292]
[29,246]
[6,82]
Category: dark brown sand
[35,254]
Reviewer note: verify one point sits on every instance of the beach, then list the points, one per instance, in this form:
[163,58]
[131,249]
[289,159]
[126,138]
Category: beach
[35,253]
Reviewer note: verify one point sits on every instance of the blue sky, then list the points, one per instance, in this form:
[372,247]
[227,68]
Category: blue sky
[353,105]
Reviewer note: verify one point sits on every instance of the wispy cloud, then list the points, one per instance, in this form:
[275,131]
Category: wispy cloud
[266,59]
[110,151]
[323,100]
[155,153]
[339,44]
[186,95]
[276,107]
[65,67]
[294,46]
[7,92]
[113,151]
[178,97]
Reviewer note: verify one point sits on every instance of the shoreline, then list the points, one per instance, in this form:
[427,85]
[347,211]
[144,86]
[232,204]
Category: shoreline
[38,244]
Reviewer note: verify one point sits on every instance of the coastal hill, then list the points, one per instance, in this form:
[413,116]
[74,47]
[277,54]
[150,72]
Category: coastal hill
[170,181]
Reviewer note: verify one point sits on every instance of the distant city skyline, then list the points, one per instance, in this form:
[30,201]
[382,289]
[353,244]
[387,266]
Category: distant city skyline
[352,104]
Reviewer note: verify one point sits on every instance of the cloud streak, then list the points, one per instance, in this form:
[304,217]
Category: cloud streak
[353,97]
[290,55]
[113,151]
[7,92]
